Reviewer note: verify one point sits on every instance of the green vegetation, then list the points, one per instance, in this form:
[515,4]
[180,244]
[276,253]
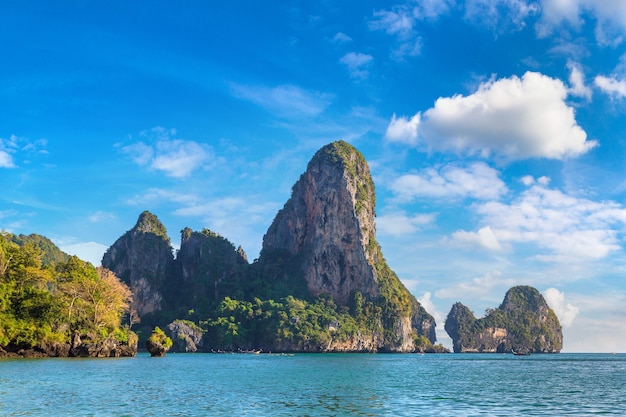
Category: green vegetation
[158,337]
[149,223]
[151,255]
[50,253]
[290,324]
[44,303]
[212,269]
[353,161]
[530,324]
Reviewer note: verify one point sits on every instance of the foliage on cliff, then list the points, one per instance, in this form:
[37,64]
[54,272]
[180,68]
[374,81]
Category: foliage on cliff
[354,165]
[523,322]
[292,324]
[207,268]
[320,283]
[50,253]
[45,304]
[158,343]
[323,242]
[142,258]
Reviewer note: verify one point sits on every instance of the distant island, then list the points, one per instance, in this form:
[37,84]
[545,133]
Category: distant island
[320,284]
[524,323]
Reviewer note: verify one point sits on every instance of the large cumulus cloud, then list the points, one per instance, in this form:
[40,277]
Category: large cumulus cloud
[510,118]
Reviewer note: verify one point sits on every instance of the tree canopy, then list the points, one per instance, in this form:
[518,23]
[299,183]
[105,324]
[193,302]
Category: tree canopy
[46,302]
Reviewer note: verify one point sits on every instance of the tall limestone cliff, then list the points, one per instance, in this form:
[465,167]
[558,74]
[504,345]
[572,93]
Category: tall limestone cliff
[208,268]
[324,241]
[523,322]
[142,258]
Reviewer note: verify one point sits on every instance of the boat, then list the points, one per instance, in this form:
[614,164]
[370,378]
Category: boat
[527,353]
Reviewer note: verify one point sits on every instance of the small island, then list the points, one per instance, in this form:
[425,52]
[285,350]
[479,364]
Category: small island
[524,323]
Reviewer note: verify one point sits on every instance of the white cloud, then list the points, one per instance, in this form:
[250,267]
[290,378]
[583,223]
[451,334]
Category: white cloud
[477,288]
[528,180]
[451,181]
[139,152]
[176,157]
[512,118]
[484,238]
[357,63]
[561,228]
[285,100]
[87,251]
[101,216]
[426,302]
[611,86]
[610,17]
[6,160]
[341,37]
[239,219]
[566,312]
[397,22]
[14,145]
[577,82]
[155,195]
[403,129]
[440,317]
[557,12]
[400,23]
[432,9]
[600,325]
[500,14]
[399,223]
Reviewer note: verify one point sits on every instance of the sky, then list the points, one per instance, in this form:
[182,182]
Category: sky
[495,132]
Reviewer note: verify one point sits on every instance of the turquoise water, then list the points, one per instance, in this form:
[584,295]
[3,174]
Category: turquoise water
[316,385]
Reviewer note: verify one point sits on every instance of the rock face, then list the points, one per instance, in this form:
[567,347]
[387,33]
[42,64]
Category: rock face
[321,244]
[84,346]
[328,226]
[158,343]
[186,336]
[208,268]
[324,238]
[142,258]
[523,322]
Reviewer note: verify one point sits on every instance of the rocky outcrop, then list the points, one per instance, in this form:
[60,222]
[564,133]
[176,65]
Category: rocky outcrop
[523,322]
[158,343]
[324,239]
[208,268]
[142,258]
[92,347]
[327,227]
[186,336]
[82,345]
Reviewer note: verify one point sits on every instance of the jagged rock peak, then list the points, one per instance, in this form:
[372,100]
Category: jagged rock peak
[352,163]
[209,268]
[242,253]
[325,239]
[523,297]
[149,223]
[141,258]
[328,223]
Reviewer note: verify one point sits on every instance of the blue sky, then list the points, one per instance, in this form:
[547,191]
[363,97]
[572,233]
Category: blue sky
[494,129]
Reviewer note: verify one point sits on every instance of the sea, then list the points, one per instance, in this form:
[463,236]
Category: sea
[267,384]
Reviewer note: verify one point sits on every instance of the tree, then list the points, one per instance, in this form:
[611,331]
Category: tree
[95,299]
